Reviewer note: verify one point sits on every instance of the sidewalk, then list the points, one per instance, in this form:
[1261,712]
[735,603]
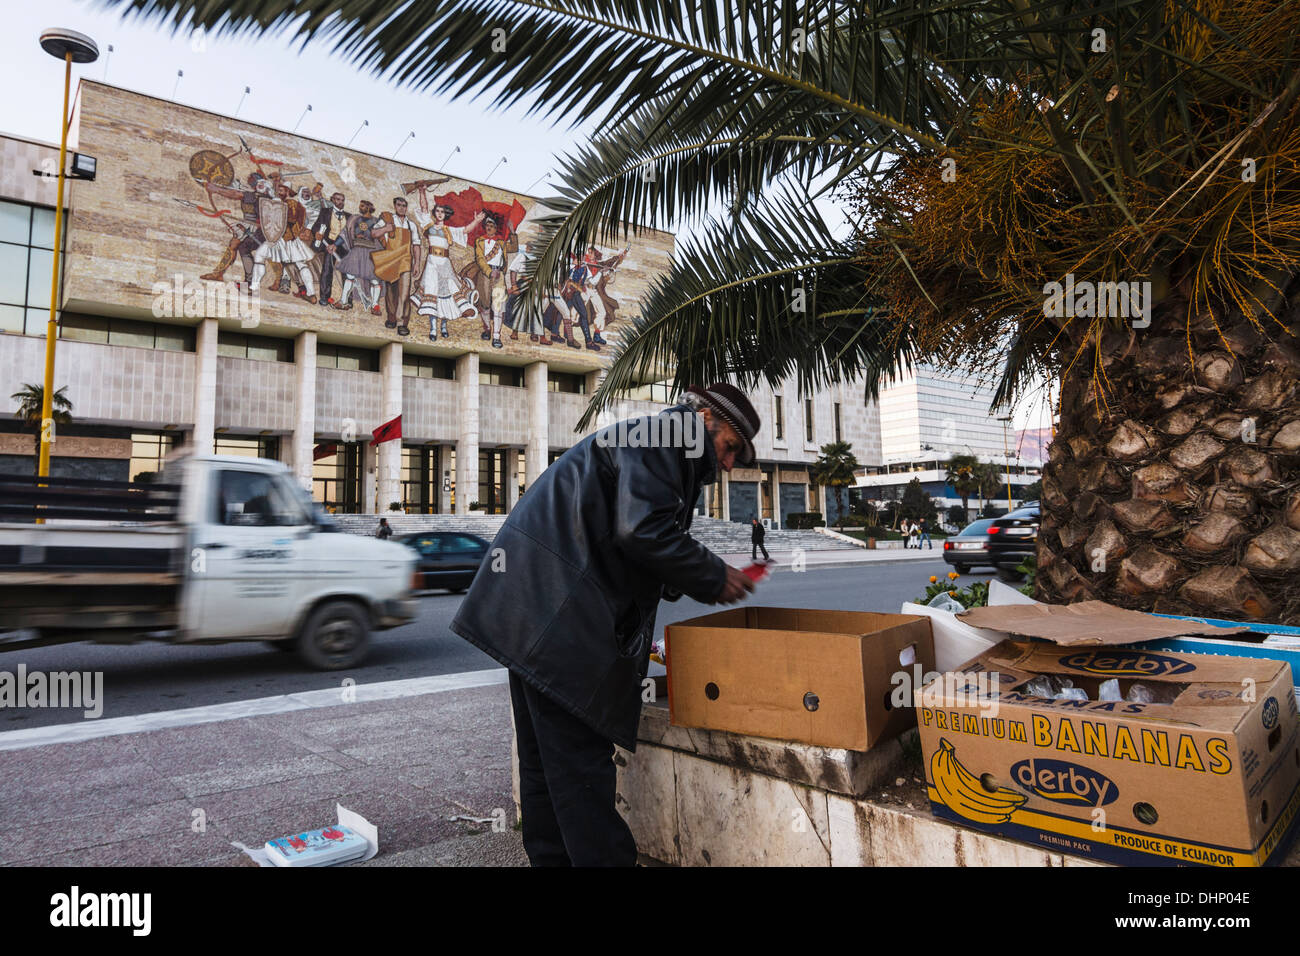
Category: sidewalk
[839,557]
[181,795]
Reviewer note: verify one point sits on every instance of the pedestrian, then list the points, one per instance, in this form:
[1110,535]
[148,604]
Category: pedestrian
[600,537]
[756,533]
[914,535]
[924,531]
[907,532]
[384,531]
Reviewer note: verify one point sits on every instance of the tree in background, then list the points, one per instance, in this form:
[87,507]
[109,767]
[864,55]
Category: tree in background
[918,504]
[31,402]
[835,469]
[960,475]
[958,516]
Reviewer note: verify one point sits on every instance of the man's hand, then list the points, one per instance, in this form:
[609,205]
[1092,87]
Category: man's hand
[737,587]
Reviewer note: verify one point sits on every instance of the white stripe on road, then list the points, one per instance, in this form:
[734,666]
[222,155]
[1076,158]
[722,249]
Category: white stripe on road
[307,700]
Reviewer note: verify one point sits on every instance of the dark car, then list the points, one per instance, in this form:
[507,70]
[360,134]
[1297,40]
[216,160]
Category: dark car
[1012,538]
[448,559]
[969,547]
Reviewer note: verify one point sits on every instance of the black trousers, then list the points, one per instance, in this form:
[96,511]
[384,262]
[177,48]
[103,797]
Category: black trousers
[566,786]
[753,551]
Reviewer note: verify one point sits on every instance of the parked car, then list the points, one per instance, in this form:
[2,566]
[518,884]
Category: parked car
[969,547]
[1012,538]
[447,559]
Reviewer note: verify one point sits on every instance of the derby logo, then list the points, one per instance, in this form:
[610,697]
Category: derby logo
[1269,715]
[1063,782]
[1127,664]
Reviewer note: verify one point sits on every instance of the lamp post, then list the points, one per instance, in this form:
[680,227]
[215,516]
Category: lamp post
[71,47]
[1006,453]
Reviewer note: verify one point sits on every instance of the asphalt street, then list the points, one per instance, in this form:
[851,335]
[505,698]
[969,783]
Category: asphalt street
[144,678]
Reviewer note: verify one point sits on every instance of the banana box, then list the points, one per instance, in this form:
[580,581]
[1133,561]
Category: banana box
[1199,766]
[827,678]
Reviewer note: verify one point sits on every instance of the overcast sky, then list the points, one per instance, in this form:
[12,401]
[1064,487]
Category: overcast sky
[284,81]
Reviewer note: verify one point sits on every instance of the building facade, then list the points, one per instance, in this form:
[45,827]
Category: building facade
[241,290]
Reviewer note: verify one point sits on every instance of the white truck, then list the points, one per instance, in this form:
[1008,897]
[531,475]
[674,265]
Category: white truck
[220,549]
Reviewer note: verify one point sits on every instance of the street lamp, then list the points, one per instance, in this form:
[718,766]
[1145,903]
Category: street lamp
[1006,453]
[71,47]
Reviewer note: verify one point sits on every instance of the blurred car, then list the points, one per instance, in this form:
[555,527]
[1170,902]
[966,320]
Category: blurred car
[1012,538]
[969,547]
[448,559]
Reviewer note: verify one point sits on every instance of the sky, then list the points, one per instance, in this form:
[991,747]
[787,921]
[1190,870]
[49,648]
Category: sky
[285,79]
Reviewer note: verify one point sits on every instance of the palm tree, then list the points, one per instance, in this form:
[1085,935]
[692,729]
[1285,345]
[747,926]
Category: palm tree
[835,469]
[960,477]
[31,403]
[990,153]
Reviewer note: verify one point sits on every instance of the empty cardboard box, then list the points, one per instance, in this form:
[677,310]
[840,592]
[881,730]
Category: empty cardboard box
[818,677]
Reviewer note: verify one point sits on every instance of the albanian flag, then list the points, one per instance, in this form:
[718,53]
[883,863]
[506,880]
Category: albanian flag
[469,201]
[387,432]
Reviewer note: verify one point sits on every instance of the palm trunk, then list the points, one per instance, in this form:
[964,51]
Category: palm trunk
[1171,491]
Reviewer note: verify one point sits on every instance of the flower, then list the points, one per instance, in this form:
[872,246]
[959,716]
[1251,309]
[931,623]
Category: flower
[952,575]
[933,579]
[952,594]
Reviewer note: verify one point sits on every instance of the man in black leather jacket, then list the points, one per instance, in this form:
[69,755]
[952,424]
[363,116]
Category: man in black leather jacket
[588,552]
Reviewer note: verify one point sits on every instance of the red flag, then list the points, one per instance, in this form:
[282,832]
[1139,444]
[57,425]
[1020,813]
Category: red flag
[387,431]
[324,451]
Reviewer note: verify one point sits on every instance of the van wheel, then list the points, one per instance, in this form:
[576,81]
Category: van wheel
[336,636]
[961,568]
[1010,575]
[283,645]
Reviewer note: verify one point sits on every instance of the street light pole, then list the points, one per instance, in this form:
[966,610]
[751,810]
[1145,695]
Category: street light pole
[71,47]
[1006,453]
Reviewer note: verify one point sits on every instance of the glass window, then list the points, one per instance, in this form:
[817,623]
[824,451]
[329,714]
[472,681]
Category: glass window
[778,420]
[15,222]
[84,328]
[500,375]
[148,449]
[39,268]
[134,334]
[11,318]
[566,382]
[808,419]
[253,498]
[425,366]
[174,338]
[43,228]
[431,545]
[13,275]
[340,356]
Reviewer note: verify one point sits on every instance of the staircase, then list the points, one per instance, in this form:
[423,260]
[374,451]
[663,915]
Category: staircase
[722,537]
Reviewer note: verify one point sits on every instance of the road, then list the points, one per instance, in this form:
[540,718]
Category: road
[144,678]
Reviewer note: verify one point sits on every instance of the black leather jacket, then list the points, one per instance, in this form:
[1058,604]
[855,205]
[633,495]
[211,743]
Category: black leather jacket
[588,551]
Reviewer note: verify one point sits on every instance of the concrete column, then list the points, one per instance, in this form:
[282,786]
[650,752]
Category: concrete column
[205,386]
[511,479]
[303,440]
[724,490]
[389,457]
[539,427]
[776,496]
[467,443]
[444,492]
[369,457]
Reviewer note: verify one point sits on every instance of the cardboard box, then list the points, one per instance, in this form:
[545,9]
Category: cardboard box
[1208,774]
[818,677]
